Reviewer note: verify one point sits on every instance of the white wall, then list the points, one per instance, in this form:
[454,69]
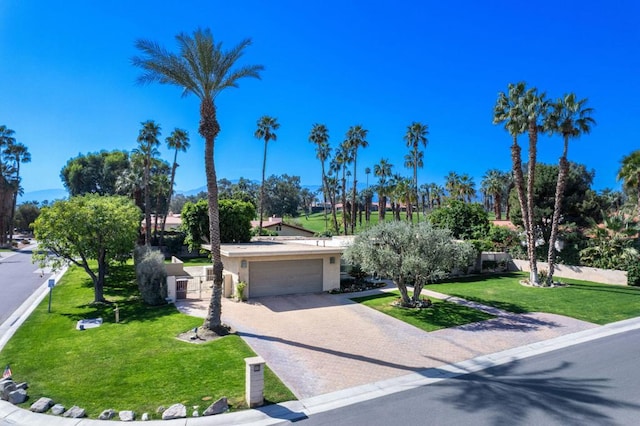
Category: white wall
[605,276]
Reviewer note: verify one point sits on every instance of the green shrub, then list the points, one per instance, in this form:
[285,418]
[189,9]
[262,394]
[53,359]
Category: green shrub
[240,288]
[633,274]
[151,275]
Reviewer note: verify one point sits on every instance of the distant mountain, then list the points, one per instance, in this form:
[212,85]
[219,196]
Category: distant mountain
[43,195]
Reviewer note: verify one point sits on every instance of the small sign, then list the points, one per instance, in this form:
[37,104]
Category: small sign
[52,283]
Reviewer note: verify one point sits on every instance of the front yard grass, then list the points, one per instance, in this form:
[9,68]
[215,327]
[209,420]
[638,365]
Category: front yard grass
[137,364]
[440,315]
[583,300]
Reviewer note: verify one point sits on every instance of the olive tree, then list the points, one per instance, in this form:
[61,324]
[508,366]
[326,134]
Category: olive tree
[409,255]
[89,231]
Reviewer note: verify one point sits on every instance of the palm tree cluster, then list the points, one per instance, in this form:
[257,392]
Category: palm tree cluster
[526,110]
[12,155]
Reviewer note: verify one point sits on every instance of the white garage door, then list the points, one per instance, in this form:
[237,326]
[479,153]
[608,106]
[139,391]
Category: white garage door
[275,278]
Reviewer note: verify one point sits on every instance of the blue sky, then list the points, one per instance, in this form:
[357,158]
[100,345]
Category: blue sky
[67,85]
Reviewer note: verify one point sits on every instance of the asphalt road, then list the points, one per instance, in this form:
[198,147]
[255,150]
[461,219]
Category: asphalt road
[19,278]
[594,383]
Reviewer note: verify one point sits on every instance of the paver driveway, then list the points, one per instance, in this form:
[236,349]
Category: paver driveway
[320,343]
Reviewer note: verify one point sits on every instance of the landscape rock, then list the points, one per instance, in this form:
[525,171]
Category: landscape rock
[75,412]
[220,406]
[41,405]
[176,411]
[160,409]
[195,413]
[144,417]
[23,385]
[6,387]
[18,396]
[57,409]
[107,414]
[127,416]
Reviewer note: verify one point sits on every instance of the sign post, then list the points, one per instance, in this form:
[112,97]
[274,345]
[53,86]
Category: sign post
[52,283]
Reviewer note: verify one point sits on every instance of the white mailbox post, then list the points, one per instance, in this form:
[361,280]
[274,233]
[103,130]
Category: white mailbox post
[254,380]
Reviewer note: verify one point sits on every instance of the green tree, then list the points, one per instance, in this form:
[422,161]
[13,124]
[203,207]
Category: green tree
[629,174]
[266,130]
[203,68]
[195,224]
[282,195]
[178,141]
[235,222]
[95,172]
[84,229]
[147,148]
[464,220]
[415,137]
[355,138]
[26,214]
[409,255]
[569,118]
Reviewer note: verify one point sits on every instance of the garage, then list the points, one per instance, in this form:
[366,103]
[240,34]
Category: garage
[275,278]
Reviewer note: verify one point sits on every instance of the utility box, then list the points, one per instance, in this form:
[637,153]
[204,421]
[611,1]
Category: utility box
[254,381]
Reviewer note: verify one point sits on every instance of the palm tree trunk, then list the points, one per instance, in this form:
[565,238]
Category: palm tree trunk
[345,212]
[382,207]
[519,183]
[166,212]
[555,223]
[209,129]
[354,205]
[324,198]
[147,204]
[531,170]
[264,167]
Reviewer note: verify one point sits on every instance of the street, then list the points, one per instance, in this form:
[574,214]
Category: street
[19,278]
[594,383]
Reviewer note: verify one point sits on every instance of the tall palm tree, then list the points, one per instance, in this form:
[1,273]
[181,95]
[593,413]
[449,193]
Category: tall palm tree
[452,185]
[437,192]
[569,118]
[367,172]
[178,141]
[467,188]
[341,160]
[412,161]
[521,111]
[319,136]
[493,184]
[17,153]
[7,185]
[147,147]
[629,174]
[415,137]
[382,171]
[203,68]
[355,138]
[266,130]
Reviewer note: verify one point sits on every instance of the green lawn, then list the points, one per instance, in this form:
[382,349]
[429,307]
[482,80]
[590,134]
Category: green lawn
[137,364]
[315,222]
[440,315]
[587,301]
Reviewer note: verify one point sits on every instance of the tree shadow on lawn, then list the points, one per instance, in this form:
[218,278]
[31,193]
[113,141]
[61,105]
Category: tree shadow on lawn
[606,288]
[121,289]
[508,392]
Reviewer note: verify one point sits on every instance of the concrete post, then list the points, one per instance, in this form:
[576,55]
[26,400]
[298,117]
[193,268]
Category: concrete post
[254,381]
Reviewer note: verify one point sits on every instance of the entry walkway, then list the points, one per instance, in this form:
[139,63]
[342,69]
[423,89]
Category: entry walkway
[323,343]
